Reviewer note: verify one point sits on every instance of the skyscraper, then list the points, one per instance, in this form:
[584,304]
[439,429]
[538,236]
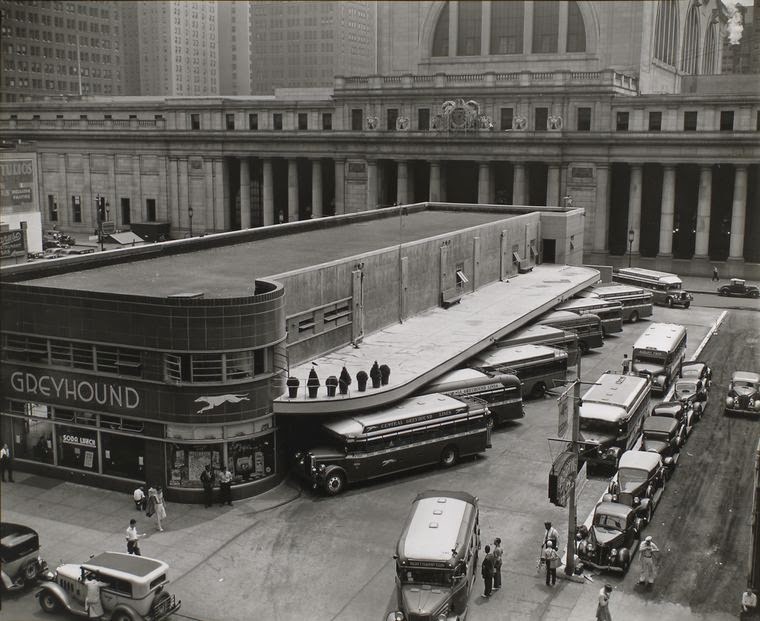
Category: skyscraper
[234,48]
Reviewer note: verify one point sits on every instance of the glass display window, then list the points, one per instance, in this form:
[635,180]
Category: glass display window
[186,462]
[33,437]
[77,448]
[251,459]
[123,456]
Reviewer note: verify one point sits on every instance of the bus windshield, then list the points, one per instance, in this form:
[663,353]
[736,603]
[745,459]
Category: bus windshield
[424,575]
[602,426]
[650,358]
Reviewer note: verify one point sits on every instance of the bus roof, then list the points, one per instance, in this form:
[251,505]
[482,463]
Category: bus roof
[467,378]
[651,275]
[419,406]
[504,356]
[589,303]
[537,334]
[617,390]
[661,337]
[563,317]
[438,525]
[614,291]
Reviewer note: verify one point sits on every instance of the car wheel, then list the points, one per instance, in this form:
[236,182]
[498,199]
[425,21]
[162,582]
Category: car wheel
[539,390]
[649,513]
[49,602]
[122,615]
[754,294]
[670,302]
[29,572]
[449,456]
[687,305]
[634,317]
[335,482]
[625,564]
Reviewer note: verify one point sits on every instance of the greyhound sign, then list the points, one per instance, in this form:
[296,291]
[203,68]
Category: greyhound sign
[217,400]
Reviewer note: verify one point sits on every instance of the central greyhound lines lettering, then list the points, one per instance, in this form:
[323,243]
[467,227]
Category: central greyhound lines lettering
[69,389]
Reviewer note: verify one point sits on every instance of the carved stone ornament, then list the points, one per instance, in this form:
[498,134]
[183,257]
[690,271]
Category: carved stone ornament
[402,123]
[519,123]
[555,122]
[461,115]
[372,122]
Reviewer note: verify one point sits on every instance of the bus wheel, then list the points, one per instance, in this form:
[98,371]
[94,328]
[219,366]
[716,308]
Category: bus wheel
[335,482]
[449,456]
[539,390]
[634,317]
[583,347]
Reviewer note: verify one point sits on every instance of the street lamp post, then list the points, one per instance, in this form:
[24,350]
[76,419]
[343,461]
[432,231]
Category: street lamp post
[190,216]
[630,245]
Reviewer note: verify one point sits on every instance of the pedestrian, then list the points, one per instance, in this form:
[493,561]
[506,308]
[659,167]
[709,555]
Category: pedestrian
[498,551]
[603,604]
[551,534]
[550,559]
[207,480]
[225,486]
[715,273]
[133,538]
[487,569]
[139,497]
[92,603]
[6,463]
[156,505]
[648,553]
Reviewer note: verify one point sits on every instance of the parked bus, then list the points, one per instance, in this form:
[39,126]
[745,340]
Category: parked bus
[545,335]
[501,393]
[588,327]
[659,353]
[437,555]
[612,416]
[416,432]
[539,367]
[665,287]
[609,312]
[636,302]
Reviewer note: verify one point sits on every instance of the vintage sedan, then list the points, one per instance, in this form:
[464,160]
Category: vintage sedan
[743,395]
[682,412]
[638,483]
[22,564]
[692,392]
[613,538]
[698,370]
[133,588]
[738,286]
[664,436]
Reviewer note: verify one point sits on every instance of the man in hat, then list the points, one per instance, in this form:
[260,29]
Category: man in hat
[551,534]
[603,604]
[647,553]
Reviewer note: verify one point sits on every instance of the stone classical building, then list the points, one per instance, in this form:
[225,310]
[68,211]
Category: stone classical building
[602,105]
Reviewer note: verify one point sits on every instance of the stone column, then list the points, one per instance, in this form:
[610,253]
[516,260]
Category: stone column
[245,193]
[528,28]
[221,208]
[667,210]
[206,220]
[484,182]
[402,182]
[292,190]
[704,202]
[316,188]
[371,185]
[485,28]
[267,191]
[340,183]
[634,206]
[435,182]
[562,38]
[738,214]
[552,186]
[601,210]
[518,181]
[453,27]
[183,219]
[173,207]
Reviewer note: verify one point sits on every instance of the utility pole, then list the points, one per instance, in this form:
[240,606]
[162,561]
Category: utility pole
[572,518]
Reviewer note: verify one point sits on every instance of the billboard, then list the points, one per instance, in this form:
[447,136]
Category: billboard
[12,243]
[16,183]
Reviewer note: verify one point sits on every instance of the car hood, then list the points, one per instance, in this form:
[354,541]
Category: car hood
[596,437]
[421,599]
[605,536]
[744,391]
[655,446]
[325,452]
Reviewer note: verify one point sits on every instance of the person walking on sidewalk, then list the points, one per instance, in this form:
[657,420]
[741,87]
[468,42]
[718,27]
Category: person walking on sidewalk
[156,505]
[551,534]
[139,497]
[715,273]
[225,486]
[498,551]
[207,480]
[6,463]
[603,604]
[550,558]
[133,538]
[648,553]
[487,572]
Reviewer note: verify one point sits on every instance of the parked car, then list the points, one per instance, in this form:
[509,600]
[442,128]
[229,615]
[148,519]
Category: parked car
[738,286]
[743,395]
[698,370]
[638,483]
[665,437]
[613,538]
[22,564]
[691,391]
[133,591]
[682,412]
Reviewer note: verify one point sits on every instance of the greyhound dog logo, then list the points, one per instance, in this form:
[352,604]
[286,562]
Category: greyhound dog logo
[212,402]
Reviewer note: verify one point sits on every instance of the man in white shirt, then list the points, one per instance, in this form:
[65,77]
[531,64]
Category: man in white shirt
[225,486]
[133,538]
[139,496]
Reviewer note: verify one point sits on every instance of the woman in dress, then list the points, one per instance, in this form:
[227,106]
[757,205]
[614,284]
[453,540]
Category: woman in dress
[156,504]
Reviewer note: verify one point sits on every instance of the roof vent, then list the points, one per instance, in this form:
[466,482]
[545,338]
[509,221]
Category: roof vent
[433,525]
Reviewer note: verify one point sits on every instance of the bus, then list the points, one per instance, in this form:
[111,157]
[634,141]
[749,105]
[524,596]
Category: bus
[539,367]
[545,335]
[588,327]
[501,393]
[437,557]
[659,353]
[610,313]
[416,432]
[611,417]
[637,303]
[665,287]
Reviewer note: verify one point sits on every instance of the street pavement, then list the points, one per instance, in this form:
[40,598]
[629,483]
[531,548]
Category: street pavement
[289,554]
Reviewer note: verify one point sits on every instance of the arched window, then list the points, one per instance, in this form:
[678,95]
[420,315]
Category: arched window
[441,36]
[690,52]
[711,51]
[545,26]
[468,43]
[576,30]
[507,27]
[666,32]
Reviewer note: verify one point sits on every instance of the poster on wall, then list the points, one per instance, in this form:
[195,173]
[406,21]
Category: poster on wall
[88,456]
[16,183]
[196,462]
